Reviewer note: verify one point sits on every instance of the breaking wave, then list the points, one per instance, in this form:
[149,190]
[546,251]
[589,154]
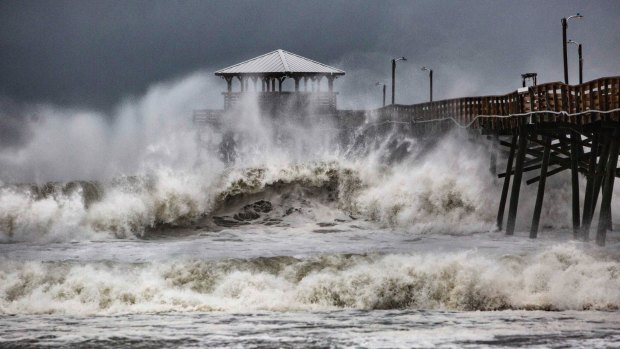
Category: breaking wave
[559,278]
[458,196]
[130,207]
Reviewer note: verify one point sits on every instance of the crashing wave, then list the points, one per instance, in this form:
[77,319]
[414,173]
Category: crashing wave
[130,207]
[443,188]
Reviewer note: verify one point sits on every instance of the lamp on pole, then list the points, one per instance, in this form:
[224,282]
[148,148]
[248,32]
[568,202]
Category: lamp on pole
[580,59]
[430,76]
[564,26]
[382,84]
[394,60]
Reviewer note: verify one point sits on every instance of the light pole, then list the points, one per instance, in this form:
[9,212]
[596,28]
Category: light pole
[580,60]
[394,60]
[382,84]
[430,76]
[564,26]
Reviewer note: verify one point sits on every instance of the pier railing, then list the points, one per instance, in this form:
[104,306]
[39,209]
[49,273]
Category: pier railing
[550,102]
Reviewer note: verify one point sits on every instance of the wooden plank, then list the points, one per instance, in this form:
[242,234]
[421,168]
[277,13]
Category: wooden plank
[549,174]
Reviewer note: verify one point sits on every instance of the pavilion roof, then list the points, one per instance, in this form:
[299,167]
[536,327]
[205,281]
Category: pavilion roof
[279,62]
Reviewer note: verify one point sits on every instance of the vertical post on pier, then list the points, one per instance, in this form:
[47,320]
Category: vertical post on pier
[575,141]
[541,187]
[502,201]
[608,188]
[588,204]
[393,81]
[430,74]
[580,65]
[564,50]
[384,95]
[600,168]
[612,161]
[493,160]
[516,184]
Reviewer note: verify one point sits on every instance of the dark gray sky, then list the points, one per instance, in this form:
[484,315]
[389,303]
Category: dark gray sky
[95,53]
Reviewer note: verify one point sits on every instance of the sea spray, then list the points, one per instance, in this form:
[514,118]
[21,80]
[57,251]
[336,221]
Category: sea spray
[419,195]
[138,137]
[436,186]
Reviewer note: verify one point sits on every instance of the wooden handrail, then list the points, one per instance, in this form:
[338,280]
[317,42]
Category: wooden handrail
[602,94]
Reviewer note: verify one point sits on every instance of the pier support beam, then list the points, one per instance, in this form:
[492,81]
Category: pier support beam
[600,169]
[493,159]
[589,203]
[516,184]
[502,201]
[541,187]
[575,140]
[608,188]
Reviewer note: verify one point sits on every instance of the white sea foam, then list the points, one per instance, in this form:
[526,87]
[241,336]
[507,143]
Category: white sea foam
[559,278]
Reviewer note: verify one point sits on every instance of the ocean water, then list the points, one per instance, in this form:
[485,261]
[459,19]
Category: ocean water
[141,232]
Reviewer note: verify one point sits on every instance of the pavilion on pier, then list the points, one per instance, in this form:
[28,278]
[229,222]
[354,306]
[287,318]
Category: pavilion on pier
[272,69]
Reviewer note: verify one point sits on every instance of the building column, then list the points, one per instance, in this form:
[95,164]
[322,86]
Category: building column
[330,83]
[280,81]
[228,83]
[254,78]
[318,83]
[240,82]
[306,83]
[296,83]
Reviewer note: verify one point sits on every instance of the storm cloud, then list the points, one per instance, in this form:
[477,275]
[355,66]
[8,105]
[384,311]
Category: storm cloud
[96,53]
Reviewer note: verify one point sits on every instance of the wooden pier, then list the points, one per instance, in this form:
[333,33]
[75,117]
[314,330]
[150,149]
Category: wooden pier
[547,129]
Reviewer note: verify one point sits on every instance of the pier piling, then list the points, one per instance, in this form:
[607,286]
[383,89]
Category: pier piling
[516,184]
[502,202]
[541,187]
